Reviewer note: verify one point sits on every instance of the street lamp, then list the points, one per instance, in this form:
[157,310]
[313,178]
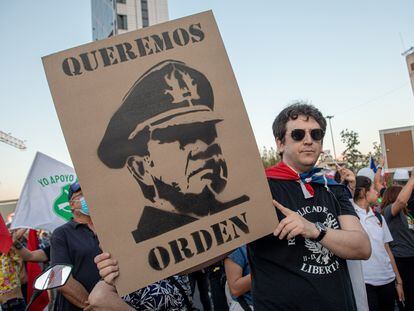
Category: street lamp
[333,143]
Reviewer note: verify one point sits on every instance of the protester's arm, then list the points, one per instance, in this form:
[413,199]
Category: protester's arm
[350,226]
[378,179]
[378,185]
[348,176]
[37,255]
[349,242]
[18,234]
[105,298]
[378,182]
[398,279]
[403,196]
[238,284]
[75,293]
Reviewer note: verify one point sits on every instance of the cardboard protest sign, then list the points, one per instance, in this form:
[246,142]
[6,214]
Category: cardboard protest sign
[162,146]
[398,147]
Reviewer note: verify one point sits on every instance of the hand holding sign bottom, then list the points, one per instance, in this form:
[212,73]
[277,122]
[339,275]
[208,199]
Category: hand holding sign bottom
[108,267]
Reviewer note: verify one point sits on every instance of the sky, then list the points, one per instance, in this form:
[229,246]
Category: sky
[342,56]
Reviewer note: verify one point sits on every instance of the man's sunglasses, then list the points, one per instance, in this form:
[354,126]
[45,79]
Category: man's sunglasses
[299,134]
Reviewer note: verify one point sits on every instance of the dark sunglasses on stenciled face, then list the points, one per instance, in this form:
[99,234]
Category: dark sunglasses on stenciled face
[299,134]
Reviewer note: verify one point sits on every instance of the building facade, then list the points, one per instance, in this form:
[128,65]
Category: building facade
[112,17]
[409,57]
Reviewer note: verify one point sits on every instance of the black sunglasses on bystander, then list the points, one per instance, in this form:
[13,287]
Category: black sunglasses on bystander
[299,134]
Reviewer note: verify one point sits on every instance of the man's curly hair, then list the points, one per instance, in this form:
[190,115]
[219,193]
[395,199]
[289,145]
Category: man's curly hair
[292,112]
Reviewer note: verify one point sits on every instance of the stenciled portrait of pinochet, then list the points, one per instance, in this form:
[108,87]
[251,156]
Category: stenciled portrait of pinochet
[165,134]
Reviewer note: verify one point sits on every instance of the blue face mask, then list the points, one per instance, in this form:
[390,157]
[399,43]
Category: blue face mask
[84,209]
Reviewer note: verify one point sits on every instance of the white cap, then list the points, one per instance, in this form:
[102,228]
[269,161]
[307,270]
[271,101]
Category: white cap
[367,172]
[401,174]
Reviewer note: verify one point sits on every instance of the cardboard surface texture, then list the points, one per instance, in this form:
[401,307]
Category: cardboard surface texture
[398,147]
[163,148]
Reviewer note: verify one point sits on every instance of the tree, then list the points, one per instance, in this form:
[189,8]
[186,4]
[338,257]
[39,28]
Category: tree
[352,156]
[376,153]
[269,157]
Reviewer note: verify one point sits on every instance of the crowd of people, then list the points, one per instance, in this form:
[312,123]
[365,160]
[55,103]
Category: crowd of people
[343,243]
[14,281]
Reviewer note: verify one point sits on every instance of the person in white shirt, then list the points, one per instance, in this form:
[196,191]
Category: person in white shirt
[380,271]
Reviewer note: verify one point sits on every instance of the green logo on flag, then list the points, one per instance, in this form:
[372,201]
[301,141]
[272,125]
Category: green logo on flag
[61,206]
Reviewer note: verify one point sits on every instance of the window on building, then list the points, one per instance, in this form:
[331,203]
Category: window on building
[121,1]
[122,22]
[144,12]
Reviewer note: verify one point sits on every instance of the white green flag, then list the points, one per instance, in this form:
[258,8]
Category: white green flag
[43,202]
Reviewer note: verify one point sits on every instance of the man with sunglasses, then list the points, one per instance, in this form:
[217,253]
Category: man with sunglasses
[75,243]
[302,265]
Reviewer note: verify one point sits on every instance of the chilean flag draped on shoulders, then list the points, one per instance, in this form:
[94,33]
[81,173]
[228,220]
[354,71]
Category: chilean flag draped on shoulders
[282,171]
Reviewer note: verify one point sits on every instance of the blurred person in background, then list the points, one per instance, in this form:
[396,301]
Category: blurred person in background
[401,225]
[210,282]
[400,178]
[11,297]
[380,272]
[21,235]
[75,243]
[239,279]
[346,177]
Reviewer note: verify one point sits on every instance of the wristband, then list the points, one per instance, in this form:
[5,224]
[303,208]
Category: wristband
[18,245]
[322,231]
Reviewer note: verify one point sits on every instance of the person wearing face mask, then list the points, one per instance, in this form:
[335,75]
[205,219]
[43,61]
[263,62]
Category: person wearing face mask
[75,243]
[380,271]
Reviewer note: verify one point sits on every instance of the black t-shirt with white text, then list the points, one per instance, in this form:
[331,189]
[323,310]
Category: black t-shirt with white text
[299,274]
